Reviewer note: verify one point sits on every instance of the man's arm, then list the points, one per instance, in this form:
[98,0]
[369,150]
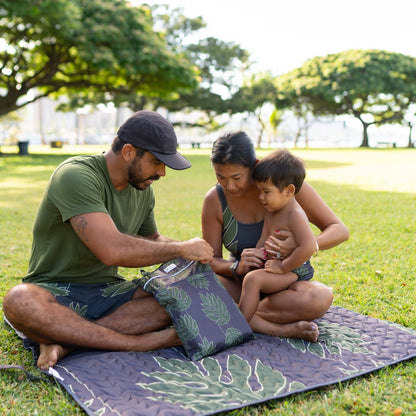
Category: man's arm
[99,233]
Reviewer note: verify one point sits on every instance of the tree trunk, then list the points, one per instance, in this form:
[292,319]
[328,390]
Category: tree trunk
[364,143]
[409,143]
[41,123]
[260,137]
[297,136]
[262,126]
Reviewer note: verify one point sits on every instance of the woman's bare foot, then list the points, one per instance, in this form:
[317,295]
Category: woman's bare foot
[50,354]
[303,329]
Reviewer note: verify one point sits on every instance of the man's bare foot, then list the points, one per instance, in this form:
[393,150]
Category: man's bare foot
[50,354]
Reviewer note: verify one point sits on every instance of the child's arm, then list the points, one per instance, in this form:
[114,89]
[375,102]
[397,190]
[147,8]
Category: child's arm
[305,240]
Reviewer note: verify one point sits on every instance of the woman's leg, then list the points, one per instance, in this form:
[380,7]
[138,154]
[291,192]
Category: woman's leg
[232,285]
[303,301]
[289,312]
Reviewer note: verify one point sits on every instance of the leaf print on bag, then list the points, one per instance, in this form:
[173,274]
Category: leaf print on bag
[199,280]
[174,299]
[162,295]
[233,336]
[201,309]
[204,267]
[186,327]
[206,348]
[215,308]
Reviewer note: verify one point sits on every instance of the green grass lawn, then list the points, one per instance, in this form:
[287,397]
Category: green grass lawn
[374,273]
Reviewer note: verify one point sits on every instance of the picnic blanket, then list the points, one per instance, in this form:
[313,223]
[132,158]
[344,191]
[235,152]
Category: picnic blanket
[166,382]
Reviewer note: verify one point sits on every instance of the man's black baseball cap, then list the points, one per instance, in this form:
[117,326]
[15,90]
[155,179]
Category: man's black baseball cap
[152,132]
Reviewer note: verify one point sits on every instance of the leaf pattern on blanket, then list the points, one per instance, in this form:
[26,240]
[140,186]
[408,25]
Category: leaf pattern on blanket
[212,386]
[233,385]
[333,338]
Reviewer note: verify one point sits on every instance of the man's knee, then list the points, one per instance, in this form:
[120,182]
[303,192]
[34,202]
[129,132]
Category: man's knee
[21,299]
[12,299]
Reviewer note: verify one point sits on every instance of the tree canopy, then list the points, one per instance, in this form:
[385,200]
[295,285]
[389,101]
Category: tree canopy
[256,91]
[102,47]
[376,87]
[219,63]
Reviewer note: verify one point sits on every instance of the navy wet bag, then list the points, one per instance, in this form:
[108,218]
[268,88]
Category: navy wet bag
[204,315]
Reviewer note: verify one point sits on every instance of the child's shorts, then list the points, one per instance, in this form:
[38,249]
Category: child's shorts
[305,271]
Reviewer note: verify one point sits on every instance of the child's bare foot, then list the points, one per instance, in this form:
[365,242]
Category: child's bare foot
[50,354]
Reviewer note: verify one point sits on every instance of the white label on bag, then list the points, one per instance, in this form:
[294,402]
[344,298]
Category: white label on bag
[169,268]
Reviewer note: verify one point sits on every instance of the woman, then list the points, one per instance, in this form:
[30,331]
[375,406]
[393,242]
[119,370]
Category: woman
[233,215]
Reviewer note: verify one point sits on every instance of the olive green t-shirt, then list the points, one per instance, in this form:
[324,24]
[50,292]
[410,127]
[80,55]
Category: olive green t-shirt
[78,186]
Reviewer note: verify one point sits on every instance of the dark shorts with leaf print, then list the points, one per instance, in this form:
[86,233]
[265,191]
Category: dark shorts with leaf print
[93,301]
[305,271]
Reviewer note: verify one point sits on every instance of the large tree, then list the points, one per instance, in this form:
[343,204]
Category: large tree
[256,91]
[102,47]
[217,63]
[376,87]
[220,67]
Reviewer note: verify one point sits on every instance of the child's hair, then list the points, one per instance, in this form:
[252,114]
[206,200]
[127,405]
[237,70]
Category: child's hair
[234,148]
[282,168]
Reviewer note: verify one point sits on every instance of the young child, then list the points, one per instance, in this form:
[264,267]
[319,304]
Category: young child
[278,177]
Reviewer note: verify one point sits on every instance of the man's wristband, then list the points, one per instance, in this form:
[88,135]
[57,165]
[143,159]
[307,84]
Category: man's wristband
[233,269]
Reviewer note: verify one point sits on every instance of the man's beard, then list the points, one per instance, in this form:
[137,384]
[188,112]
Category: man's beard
[135,178]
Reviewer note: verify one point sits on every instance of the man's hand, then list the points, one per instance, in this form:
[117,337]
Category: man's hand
[197,249]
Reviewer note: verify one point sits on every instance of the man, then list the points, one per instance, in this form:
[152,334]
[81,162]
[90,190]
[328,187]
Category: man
[97,215]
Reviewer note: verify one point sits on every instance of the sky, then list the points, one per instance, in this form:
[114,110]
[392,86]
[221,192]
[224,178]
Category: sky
[282,35]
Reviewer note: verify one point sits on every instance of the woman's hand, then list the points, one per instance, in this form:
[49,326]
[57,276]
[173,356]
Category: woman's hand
[281,245]
[251,258]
